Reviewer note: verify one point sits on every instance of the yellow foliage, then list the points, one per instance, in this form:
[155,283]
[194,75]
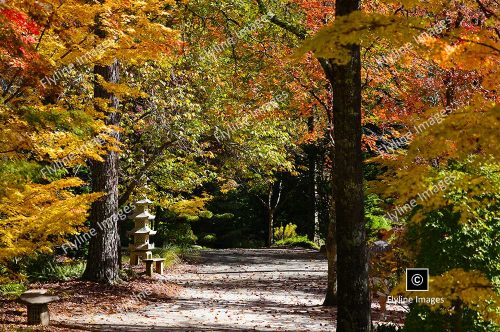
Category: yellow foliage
[289,231]
[229,185]
[35,217]
[131,35]
[470,131]
[467,288]
[358,28]
[190,207]
[121,90]
[44,122]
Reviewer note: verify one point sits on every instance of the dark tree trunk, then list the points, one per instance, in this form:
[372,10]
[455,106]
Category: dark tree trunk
[102,261]
[271,205]
[353,314]
[331,298]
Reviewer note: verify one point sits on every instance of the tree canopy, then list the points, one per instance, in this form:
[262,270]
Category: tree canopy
[338,123]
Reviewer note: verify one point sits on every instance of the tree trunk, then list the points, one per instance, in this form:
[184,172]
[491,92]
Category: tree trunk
[353,312]
[270,224]
[331,298]
[102,261]
[312,153]
[271,209]
[331,254]
[457,317]
[352,257]
[315,206]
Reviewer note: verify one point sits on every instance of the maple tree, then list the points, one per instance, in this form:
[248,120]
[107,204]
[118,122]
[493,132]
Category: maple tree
[37,213]
[65,39]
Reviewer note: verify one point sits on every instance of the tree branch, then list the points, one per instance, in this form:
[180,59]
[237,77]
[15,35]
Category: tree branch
[279,194]
[135,182]
[300,32]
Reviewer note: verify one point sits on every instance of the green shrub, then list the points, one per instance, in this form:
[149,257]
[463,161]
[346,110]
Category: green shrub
[298,241]
[282,233]
[47,268]
[374,216]
[224,216]
[12,290]
[387,328]
[178,233]
[208,240]
[205,214]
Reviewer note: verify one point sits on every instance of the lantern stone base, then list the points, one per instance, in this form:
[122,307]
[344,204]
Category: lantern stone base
[136,256]
[158,266]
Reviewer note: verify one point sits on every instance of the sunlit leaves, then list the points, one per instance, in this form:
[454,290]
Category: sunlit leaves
[50,118]
[36,217]
[460,288]
[361,29]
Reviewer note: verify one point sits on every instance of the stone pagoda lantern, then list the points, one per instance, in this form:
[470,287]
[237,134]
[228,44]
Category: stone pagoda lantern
[141,248]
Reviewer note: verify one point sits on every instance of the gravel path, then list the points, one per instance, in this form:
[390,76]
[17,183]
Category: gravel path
[235,290]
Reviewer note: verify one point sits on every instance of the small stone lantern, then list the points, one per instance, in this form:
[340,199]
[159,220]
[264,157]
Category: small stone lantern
[141,248]
[37,301]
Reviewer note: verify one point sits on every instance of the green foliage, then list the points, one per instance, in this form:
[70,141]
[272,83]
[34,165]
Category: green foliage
[48,268]
[224,216]
[208,240]
[388,328]
[42,267]
[375,221]
[177,233]
[451,244]
[12,290]
[464,235]
[423,319]
[286,232]
[173,229]
[171,256]
[298,241]
[236,223]
[174,254]
[18,170]
[205,214]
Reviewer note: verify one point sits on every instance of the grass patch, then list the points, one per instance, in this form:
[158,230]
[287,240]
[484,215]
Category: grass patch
[48,269]
[12,290]
[176,254]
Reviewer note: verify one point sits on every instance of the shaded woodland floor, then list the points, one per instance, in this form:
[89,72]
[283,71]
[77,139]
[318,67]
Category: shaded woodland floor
[225,290]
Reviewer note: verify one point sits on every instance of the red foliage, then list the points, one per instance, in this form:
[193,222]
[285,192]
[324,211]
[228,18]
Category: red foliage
[21,21]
